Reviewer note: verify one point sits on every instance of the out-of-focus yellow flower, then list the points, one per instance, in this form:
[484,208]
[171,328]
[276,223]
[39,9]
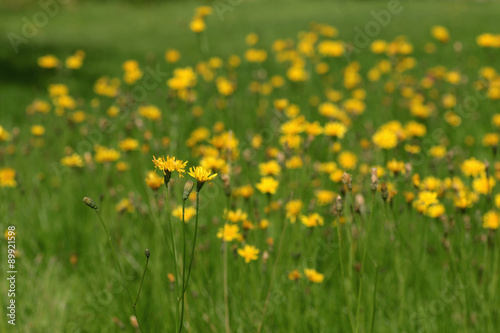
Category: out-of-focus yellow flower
[229,232]
[249,252]
[267,185]
[440,33]
[347,160]
[129,144]
[37,130]
[172,56]
[313,276]
[153,180]
[8,177]
[197,25]
[491,220]
[73,161]
[312,220]
[105,155]
[385,139]
[150,112]
[473,167]
[48,61]
[189,213]
[125,205]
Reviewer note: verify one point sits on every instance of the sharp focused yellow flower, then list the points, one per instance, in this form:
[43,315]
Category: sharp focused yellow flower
[313,276]
[267,185]
[8,177]
[169,165]
[249,252]
[201,174]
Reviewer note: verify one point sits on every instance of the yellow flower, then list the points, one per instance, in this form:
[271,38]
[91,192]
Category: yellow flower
[229,233]
[249,252]
[197,25]
[254,55]
[129,144]
[169,165]
[396,166]
[313,220]
[48,61]
[236,215]
[271,168]
[335,129]
[438,151]
[440,33]
[172,56]
[201,175]
[313,276]
[436,210]
[385,139]
[472,167]
[267,185]
[425,199]
[482,185]
[294,275]
[150,112]
[325,197]
[4,135]
[347,160]
[37,130]
[73,161]
[189,212]
[293,208]
[8,177]
[106,155]
[491,220]
[153,180]
[491,139]
[125,205]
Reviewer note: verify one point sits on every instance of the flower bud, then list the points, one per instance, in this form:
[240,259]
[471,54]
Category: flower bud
[89,202]
[147,253]
[188,187]
[383,190]
[338,205]
[347,180]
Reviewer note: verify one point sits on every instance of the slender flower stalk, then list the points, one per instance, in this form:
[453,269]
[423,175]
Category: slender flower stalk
[147,253]
[89,202]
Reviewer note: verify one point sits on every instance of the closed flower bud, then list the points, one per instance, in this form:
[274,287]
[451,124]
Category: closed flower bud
[188,187]
[347,180]
[383,190]
[89,202]
[147,253]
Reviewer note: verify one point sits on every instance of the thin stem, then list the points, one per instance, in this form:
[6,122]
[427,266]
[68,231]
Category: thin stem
[374,299]
[363,260]
[143,275]
[119,267]
[183,264]
[194,241]
[175,260]
[272,275]
[343,276]
[226,292]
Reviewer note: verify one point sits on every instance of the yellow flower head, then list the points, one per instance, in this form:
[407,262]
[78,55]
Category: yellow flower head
[249,252]
[229,233]
[8,177]
[267,185]
[168,165]
[491,220]
[201,175]
[153,180]
[313,276]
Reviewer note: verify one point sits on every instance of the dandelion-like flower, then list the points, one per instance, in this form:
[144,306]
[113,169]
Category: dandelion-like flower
[169,165]
[249,252]
[201,175]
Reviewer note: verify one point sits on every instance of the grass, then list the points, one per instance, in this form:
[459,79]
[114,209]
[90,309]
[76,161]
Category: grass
[420,274]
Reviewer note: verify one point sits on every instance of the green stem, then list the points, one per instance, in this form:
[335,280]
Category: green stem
[194,241]
[174,251]
[143,275]
[119,267]
[183,264]
[363,261]
[343,275]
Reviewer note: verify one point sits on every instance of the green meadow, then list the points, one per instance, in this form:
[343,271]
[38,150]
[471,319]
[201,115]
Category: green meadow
[291,104]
